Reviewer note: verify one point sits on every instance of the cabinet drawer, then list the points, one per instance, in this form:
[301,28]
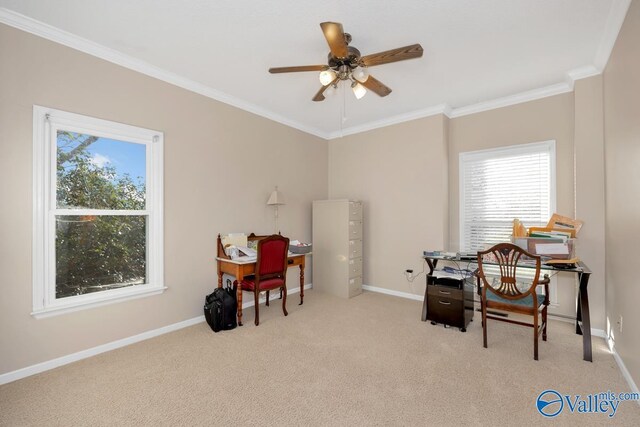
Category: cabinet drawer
[355,230]
[355,249]
[355,267]
[444,292]
[445,310]
[355,211]
[355,286]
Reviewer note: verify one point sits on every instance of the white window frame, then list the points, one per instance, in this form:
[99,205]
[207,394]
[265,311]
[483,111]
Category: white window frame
[508,151]
[46,123]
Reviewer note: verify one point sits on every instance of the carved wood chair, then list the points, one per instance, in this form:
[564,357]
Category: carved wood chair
[271,271]
[503,292]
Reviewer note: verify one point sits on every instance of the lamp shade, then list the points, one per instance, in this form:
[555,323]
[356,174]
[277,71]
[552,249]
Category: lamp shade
[361,74]
[327,76]
[358,90]
[276,198]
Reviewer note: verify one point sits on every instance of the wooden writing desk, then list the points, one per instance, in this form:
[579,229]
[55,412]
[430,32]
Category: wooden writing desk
[240,269]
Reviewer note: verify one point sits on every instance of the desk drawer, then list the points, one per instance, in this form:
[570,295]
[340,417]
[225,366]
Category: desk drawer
[355,230]
[355,249]
[444,292]
[355,267]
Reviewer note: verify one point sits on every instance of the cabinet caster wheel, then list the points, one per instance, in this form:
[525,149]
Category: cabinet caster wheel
[463,329]
[433,323]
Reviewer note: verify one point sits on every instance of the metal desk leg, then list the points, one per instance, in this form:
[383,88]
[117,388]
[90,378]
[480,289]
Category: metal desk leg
[583,321]
[424,304]
[432,266]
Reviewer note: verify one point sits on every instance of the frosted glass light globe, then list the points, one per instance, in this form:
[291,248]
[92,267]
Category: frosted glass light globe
[326,77]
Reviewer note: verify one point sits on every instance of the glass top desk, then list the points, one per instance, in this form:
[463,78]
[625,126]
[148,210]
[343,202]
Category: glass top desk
[583,322]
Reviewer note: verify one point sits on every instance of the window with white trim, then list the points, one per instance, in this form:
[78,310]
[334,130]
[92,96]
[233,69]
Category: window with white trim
[501,184]
[98,189]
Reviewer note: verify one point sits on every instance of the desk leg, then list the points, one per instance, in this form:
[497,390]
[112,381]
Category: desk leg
[424,303]
[220,273]
[301,283]
[239,277]
[583,320]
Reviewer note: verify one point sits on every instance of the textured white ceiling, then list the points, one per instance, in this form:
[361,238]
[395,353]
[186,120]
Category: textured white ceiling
[474,50]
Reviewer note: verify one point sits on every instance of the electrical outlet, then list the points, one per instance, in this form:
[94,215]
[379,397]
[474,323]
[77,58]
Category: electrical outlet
[620,324]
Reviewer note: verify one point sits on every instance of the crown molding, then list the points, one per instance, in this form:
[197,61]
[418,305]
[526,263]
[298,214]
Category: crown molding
[400,118]
[506,101]
[581,73]
[612,27]
[73,41]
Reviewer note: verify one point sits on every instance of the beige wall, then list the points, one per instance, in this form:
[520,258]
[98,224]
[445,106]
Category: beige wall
[400,173]
[218,176]
[589,194]
[622,154]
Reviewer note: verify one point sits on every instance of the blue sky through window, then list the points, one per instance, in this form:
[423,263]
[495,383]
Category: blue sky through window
[124,157]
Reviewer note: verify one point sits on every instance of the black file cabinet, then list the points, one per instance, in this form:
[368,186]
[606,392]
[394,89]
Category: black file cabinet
[448,301]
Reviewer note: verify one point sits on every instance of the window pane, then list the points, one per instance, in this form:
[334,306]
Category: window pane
[500,185]
[97,253]
[99,173]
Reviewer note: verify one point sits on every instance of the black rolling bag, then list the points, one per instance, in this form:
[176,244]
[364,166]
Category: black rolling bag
[220,308]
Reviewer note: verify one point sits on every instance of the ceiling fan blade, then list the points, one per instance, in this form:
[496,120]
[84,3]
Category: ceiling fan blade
[334,34]
[393,55]
[320,95]
[376,86]
[297,69]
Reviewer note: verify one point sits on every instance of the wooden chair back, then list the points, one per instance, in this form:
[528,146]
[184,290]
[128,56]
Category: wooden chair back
[507,256]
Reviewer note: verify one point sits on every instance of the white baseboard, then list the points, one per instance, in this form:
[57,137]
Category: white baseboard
[394,293]
[74,357]
[600,333]
[623,369]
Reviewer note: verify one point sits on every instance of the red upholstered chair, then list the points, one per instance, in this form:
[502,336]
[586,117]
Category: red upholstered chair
[271,270]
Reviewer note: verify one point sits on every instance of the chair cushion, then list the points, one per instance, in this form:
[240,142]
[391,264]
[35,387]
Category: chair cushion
[248,284]
[524,302]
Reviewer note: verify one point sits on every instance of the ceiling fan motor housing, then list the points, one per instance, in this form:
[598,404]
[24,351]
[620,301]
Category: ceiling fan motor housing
[351,60]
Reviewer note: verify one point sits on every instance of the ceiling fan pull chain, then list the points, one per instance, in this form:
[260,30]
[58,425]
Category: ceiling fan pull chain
[343,109]
[344,104]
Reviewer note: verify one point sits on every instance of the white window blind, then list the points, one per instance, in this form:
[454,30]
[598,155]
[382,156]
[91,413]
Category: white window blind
[499,185]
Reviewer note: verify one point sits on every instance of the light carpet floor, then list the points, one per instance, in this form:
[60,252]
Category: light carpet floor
[364,361]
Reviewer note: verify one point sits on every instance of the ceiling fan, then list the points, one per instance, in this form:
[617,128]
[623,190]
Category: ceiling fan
[346,64]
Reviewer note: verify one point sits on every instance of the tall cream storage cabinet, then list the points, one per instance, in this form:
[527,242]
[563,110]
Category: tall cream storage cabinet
[337,247]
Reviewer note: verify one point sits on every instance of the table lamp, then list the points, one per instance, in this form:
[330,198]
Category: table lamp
[276,199]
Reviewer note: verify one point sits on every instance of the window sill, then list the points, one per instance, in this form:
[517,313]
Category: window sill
[71,306]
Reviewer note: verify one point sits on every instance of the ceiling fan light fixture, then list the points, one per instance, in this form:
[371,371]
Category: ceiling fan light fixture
[361,74]
[327,76]
[358,90]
